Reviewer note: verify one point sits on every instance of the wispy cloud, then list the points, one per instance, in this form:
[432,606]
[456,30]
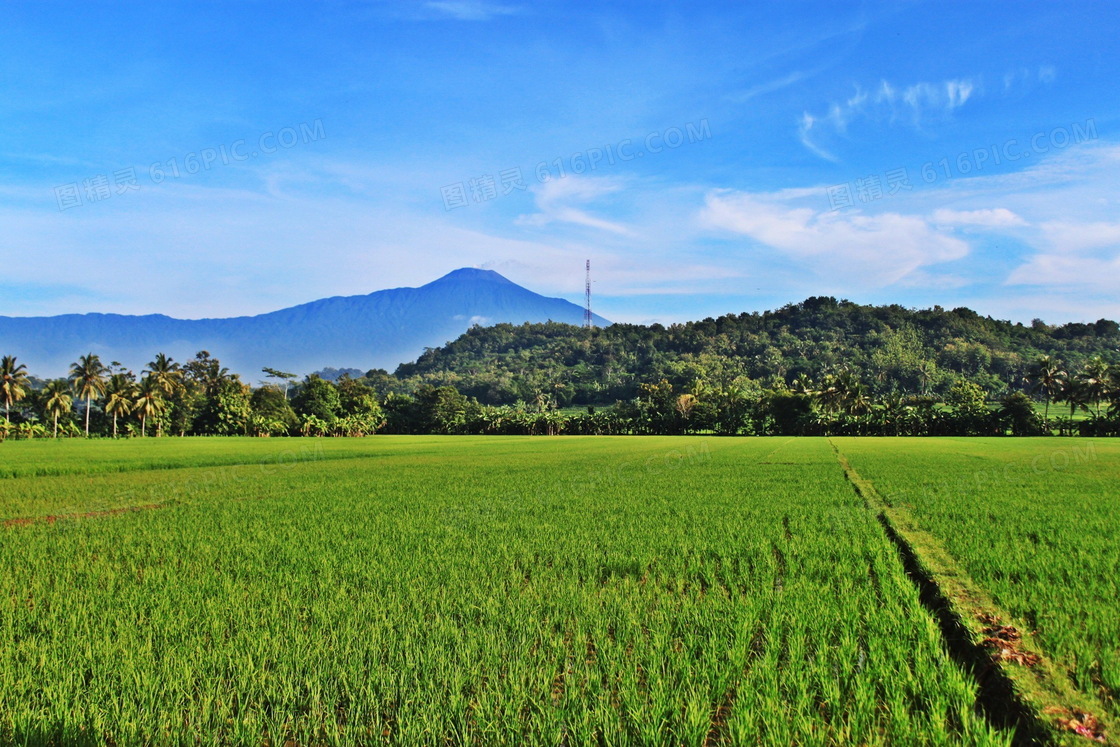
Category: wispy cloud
[770,86]
[1051,225]
[470,10]
[914,105]
[1082,256]
[988,218]
[1066,205]
[1025,78]
[1066,236]
[1069,272]
[562,201]
[863,250]
[805,132]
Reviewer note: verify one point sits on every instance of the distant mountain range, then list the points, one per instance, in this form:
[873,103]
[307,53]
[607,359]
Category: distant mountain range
[380,330]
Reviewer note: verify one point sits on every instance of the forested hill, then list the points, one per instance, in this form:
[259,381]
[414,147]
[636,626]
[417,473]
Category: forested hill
[890,348]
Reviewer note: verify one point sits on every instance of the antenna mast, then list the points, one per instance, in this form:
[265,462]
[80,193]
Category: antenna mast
[588,320]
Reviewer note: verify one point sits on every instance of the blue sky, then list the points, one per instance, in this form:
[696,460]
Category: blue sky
[213,159]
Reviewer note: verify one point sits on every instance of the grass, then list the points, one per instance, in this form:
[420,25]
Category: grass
[456,590]
[1033,523]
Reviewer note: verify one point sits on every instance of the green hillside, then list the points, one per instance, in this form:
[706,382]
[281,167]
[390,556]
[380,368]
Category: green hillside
[887,348]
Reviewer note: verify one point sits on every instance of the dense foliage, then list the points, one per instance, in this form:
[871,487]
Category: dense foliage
[819,367]
[889,349]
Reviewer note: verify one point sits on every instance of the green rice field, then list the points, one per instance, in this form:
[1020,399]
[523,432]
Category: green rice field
[552,591]
[1035,522]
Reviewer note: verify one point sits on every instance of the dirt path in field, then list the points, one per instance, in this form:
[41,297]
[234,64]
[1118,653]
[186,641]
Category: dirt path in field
[1018,687]
[52,518]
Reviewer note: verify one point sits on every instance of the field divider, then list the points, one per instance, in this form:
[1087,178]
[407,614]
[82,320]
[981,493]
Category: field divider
[269,459]
[1019,686]
[23,521]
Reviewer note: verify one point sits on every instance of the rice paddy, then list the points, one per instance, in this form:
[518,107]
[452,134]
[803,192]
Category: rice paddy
[491,590]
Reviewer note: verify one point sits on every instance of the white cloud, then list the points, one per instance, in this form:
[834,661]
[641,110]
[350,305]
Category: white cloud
[988,218]
[254,252]
[1023,79]
[922,98]
[1072,272]
[864,250]
[311,230]
[557,202]
[1084,256]
[1061,210]
[470,10]
[770,86]
[804,133]
[915,104]
[1065,236]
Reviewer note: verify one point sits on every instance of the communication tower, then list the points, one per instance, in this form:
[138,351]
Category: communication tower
[588,319]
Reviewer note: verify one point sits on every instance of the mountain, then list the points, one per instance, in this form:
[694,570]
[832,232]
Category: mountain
[379,330]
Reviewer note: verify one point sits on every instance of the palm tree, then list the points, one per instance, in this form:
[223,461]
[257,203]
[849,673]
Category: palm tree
[1096,378]
[149,401]
[843,392]
[1076,393]
[858,402]
[168,376]
[118,398]
[892,410]
[802,385]
[831,393]
[13,383]
[1113,392]
[1047,375]
[166,372]
[57,400]
[87,376]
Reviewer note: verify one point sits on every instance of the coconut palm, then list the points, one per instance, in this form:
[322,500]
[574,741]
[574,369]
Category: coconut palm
[1096,379]
[1047,376]
[87,377]
[858,401]
[891,411]
[166,372]
[1113,392]
[57,400]
[14,383]
[843,392]
[1076,393]
[831,393]
[149,401]
[168,376]
[803,385]
[118,398]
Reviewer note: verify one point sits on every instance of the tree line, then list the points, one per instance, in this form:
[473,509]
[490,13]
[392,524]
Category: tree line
[201,397]
[890,349]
